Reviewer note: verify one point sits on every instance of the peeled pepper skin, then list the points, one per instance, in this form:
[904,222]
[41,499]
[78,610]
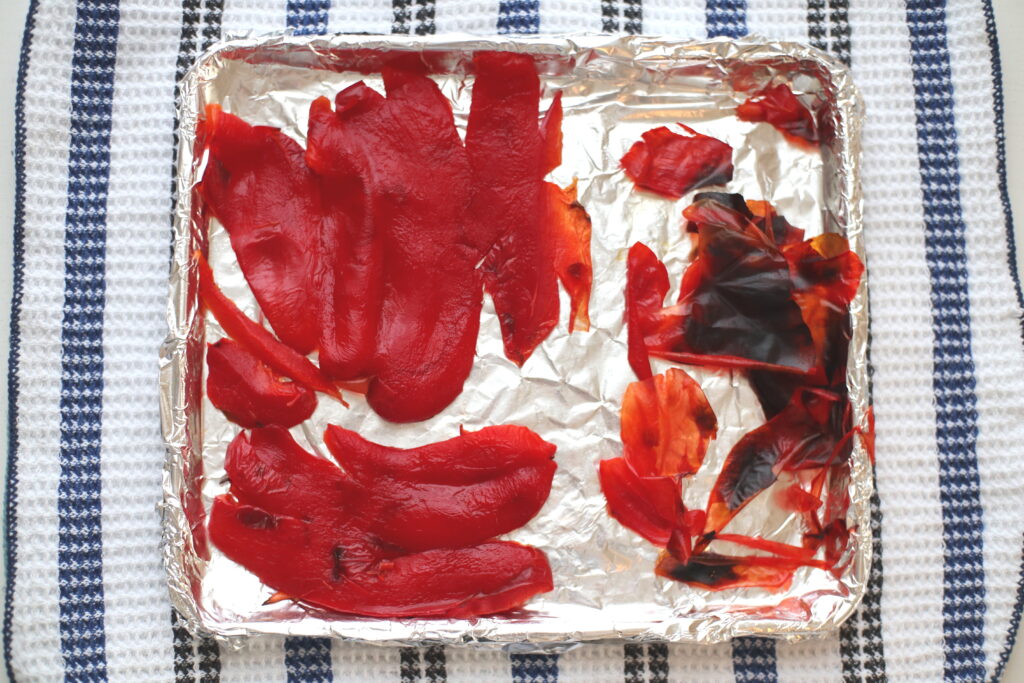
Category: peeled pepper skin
[670,164]
[249,393]
[369,544]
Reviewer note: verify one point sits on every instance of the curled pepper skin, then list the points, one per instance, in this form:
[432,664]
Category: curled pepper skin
[258,340]
[667,423]
[370,539]
[778,106]
[248,392]
[671,164]
[736,306]
[571,230]
[510,155]
[646,287]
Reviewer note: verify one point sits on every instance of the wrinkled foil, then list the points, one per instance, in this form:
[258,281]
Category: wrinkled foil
[570,390]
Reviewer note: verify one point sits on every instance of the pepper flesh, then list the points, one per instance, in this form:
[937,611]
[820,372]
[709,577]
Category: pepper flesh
[257,184]
[417,187]
[510,154]
[367,543]
[249,393]
[468,458]
[257,339]
[671,164]
[778,106]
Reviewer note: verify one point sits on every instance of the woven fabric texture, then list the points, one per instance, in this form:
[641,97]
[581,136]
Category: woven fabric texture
[85,594]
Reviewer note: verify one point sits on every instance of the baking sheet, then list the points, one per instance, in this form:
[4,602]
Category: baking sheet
[570,390]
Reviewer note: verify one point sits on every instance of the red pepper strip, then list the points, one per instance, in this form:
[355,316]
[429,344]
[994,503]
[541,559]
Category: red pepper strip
[509,156]
[718,572]
[570,225]
[256,338]
[551,134]
[257,184]
[667,423]
[671,165]
[271,471]
[418,189]
[352,276]
[248,392]
[802,435]
[782,109]
[308,562]
[646,287]
[418,516]
[469,458]
[650,506]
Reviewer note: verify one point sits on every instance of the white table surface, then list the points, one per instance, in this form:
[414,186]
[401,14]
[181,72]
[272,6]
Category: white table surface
[1009,18]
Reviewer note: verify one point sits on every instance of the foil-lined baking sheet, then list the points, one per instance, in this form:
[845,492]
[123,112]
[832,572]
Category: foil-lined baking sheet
[570,390]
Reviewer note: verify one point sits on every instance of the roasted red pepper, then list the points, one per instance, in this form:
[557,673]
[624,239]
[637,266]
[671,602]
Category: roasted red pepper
[257,339]
[257,184]
[778,106]
[367,541]
[308,562]
[666,425]
[337,241]
[469,458]
[405,154]
[510,154]
[249,392]
[671,164]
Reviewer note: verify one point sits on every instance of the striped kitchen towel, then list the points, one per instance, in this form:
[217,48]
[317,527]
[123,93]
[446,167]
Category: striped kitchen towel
[85,592]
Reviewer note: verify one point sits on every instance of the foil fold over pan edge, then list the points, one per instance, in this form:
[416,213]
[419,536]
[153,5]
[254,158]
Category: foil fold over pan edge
[180,411]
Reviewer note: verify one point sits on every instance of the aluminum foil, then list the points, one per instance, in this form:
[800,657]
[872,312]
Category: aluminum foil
[570,389]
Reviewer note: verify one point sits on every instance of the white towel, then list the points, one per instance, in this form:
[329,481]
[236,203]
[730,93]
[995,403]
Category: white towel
[86,598]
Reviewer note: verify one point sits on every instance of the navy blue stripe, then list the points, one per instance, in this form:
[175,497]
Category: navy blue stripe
[80,537]
[953,378]
[534,668]
[519,16]
[308,660]
[308,16]
[13,359]
[753,660]
[726,18]
[1004,193]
